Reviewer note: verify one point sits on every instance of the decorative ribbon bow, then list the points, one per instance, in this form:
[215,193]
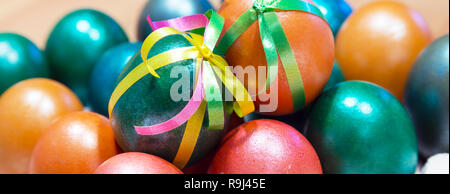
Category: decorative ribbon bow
[209,67]
[274,41]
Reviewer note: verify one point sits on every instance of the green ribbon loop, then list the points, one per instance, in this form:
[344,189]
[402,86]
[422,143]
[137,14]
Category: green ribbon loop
[274,41]
[213,91]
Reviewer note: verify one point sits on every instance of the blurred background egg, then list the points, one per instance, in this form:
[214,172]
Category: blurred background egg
[335,12]
[20,59]
[427,97]
[379,43]
[104,76]
[26,111]
[75,45]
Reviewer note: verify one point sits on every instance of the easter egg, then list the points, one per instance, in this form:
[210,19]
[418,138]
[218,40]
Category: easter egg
[20,59]
[335,11]
[265,147]
[311,41]
[75,45]
[336,77]
[151,101]
[136,163]
[160,10]
[379,43]
[437,164]
[105,73]
[426,97]
[76,143]
[26,111]
[360,128]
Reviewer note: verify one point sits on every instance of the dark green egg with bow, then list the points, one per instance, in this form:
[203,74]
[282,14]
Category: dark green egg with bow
[75,45]
[175,97]
[360,128]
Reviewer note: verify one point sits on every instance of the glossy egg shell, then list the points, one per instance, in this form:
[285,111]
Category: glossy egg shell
[20,59]
[379,43]
[75,45]
[265,147]
[427,97]
[26,111]
[360,128]
[75,143]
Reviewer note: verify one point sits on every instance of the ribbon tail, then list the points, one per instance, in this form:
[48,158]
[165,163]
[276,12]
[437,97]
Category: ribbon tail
[288,60]
[213,97]
[244,103]
[190,137]
[270,52]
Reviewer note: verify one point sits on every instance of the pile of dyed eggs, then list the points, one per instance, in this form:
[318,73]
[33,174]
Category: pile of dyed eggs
[361,91]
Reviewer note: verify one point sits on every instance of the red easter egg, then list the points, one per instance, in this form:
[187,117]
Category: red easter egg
[312,43]
[265,147]
[76,143]
[137,163]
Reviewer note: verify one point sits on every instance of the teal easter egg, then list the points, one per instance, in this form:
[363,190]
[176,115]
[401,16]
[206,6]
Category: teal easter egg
[149,102]
[360,128]
[335,12]
[75,45]
[20,59]
[105,73]
[336,77]
[426,97]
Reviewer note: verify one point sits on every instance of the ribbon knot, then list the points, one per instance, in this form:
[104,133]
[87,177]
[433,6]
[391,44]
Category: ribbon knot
[205,52]
[259,8]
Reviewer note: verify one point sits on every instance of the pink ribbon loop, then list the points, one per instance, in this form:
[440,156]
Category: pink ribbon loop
[183,24]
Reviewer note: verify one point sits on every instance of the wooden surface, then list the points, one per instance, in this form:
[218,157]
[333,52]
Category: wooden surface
[35,18]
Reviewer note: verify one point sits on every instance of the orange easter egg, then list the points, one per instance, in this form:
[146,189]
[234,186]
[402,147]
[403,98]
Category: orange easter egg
[312,43]
[380,42]
[26,110]
[76,143]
